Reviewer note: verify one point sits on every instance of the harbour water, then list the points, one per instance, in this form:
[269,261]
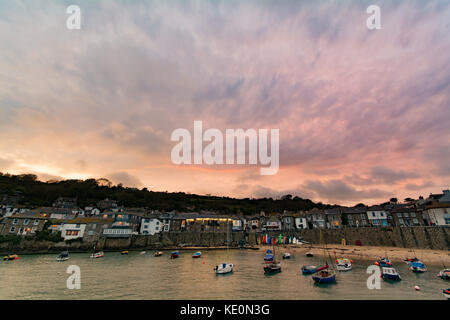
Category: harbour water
[136,276]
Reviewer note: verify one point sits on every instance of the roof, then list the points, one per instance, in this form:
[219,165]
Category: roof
[27,215]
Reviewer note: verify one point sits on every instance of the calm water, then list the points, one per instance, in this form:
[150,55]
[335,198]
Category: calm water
[136,276]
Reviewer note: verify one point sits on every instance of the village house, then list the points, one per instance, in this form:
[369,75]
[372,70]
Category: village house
[354,216]
[10,210]
[300,221]
[151,224]
[438,213]
[253,223]
[333,218]
[239,223]
[107,204]
[65,202]
[125,223]
[88,229]
[24,224]
[91,211]
[407,216]
[377,216]
[273,223]
[209,223]
[288,221]
[315,218]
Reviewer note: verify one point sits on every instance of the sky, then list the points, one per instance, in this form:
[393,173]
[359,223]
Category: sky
[363,115]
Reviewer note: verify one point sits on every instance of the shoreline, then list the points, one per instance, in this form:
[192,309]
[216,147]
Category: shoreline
[395,254]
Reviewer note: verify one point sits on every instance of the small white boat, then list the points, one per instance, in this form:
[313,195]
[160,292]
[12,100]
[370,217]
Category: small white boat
[287,255]
[143,252]
[344,264]
[309,254]
[444,274]
[158,254]
[63,256]
[446,293]
[224,268]
[390,274]
[97,255]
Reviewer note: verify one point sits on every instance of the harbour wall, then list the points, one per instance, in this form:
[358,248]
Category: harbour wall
[437,238]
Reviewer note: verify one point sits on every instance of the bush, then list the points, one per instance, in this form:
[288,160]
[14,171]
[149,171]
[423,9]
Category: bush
[10,239]
[47,235]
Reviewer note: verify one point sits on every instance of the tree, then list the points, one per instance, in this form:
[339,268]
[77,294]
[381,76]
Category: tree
[393,200]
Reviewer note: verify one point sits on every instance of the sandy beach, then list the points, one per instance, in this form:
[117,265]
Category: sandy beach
[434,257]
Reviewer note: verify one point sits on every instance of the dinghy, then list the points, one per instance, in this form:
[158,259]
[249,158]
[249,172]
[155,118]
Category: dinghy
[287,255]
[269,256]
[124,252]
[158,254]
[97,255]
[224,268]
[273,267]
[324,276]
[446,293]
[174,254]
[63,256]
[197,255]
[444,274]
[344,264]
[417,267]
[383,262]
[309,269]
[309,254]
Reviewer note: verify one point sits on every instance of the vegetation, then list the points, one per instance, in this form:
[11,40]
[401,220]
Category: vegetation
[10,239]
[37,194]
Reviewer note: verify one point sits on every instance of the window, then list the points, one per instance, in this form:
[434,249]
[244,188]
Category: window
[36,222]
[401,222]
[157,223]
[156,228]
[15,221]
[399,214]
[21,230]
[13,229]
[26,222]
[405,215]
[416,221]
[381,214]
[363,216]
[373,214]
[413,214]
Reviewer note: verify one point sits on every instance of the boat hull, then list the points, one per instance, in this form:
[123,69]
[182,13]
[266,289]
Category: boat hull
[444,274]
[309,269]
[224,268]
[319,279]
[446,293]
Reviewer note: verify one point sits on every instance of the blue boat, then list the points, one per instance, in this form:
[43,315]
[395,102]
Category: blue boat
[309,269]
[324,276]
[269,256]
[383,263]
[197,255]
[417,267]
[174,254]
[390,274]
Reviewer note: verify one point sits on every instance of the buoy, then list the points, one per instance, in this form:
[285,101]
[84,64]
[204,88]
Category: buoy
[351,261]
[417,288]
[203,262]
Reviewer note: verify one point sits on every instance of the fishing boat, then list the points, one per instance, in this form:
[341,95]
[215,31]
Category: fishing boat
[286,255]
[417,267]
[309,254]
[344,264]
[11,257]
[124,252]
[174,254]
[63,256]
[309,269]
[224,268]
[269,257]
[197,255]
[409,260]
[97,255]
[446,293]
[158,254]
[389,273]
[383,262]
[444,274]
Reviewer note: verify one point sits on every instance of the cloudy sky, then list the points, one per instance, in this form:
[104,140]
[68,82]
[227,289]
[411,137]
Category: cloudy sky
[364,115]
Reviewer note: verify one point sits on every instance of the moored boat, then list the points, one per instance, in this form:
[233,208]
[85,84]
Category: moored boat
[383,262]
[324,276]
[11,257]
[344,264]
[286,255]
[224,268]
[446,293]
[417,267]
[269,257]
[388,273]
[97,255]
[273,267]
[174,254]
[309,254]
[63,256]
[197,255]
[158,254]
[444,274]
[124,252]
[309,269]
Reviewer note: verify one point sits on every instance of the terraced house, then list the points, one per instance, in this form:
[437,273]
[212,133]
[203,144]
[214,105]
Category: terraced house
[26,224]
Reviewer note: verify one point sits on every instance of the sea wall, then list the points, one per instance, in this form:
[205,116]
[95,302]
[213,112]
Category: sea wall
[404,237]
